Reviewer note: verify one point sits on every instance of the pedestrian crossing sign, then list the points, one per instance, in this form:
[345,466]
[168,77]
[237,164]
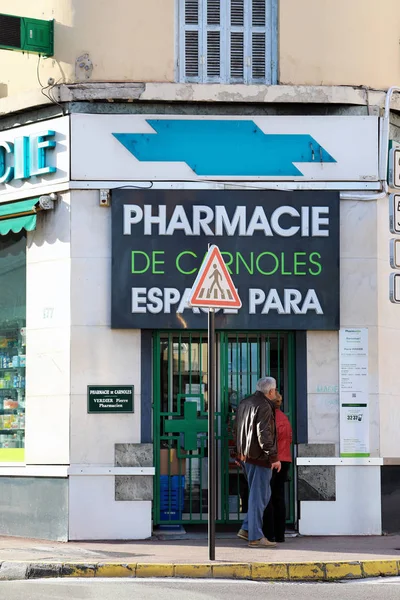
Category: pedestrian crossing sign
[214,287]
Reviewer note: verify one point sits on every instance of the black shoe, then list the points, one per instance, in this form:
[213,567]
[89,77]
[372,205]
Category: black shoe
[280,540]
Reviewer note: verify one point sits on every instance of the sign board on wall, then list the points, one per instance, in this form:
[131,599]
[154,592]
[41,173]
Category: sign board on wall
[354,409]
[394,167]
[190,148]
[395,254]
[394,225]
[281,249]
[394,213]
[110,398]
[394,288]
[33,156]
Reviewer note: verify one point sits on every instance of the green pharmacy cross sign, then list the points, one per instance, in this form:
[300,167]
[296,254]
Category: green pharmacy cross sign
[190,425]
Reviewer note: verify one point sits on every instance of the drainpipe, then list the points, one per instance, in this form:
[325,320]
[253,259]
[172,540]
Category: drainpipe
[384,156]
[366,196]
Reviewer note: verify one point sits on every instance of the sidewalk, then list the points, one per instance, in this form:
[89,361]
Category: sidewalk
[299,558]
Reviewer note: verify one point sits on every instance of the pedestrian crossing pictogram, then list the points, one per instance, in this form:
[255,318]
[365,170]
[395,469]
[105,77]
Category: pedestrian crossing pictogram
[214,287]
[215,291]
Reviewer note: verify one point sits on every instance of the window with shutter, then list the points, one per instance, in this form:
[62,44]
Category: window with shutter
[258,40]
[213,39]
[236,35]
[191,31]
[227,41]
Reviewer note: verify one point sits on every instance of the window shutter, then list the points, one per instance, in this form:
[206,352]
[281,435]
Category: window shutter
[258,55]
[213,53]
[227,41]
[258,40]
[191,40]
[213,40]
[237,55]
[191,12]
[258,13]
[237,13]
[191,53]
[236,46]
[213,12]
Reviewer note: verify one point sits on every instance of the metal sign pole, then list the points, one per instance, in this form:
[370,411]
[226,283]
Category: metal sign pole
[211,435]
[213,288]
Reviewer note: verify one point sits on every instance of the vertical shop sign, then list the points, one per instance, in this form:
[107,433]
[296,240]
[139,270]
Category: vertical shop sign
[354,409]
[394,167]
[394,224]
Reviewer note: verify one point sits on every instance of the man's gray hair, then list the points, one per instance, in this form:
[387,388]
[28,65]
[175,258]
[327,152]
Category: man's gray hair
[266,384]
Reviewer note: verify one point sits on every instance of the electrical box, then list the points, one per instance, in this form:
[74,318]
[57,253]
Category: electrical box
[27,35]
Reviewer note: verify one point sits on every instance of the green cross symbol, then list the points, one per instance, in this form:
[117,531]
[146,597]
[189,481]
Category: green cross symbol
[190,425]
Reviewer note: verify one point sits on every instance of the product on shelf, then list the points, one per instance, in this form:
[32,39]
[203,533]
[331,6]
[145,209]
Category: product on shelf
[8,403]
[12,386]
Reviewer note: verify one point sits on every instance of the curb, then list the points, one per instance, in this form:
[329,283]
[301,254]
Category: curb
[295,571]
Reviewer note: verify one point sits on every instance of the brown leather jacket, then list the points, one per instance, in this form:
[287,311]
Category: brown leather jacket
[255,431]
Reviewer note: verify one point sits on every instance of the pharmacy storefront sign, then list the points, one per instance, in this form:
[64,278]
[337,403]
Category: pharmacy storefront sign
[281,248]
[34,156]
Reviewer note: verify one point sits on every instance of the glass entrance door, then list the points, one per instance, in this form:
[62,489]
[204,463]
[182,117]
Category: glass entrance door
[180,418]
[244,358]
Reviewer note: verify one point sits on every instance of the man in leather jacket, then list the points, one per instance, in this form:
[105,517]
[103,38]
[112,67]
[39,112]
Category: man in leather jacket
[257,450]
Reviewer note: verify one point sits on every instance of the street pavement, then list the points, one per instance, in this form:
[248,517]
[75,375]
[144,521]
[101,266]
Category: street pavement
[193,549]
[78,589]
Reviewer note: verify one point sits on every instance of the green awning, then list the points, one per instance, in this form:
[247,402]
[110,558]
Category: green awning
[15,216]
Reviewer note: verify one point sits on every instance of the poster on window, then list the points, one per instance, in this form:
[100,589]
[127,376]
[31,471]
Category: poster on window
[354,409]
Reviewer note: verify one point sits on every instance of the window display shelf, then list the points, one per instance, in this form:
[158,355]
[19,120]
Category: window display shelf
[12,389]
[10,431]
[11,349]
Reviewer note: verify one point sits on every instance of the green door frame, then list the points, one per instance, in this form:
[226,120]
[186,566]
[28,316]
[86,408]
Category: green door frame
[289,368]
[226,342]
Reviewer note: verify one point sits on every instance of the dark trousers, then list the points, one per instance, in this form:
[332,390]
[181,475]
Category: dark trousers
[274,521]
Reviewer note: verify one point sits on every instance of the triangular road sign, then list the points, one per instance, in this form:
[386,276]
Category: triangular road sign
[214,287]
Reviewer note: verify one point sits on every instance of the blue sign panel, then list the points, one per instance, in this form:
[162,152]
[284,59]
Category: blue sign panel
[224,147]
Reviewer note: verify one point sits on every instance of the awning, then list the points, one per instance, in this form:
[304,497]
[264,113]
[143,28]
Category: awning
[15,216]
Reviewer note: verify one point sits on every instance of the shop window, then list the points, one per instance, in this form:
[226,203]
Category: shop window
[228,41]
[12,346]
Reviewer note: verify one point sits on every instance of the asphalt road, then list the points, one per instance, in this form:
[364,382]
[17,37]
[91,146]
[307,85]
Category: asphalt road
[110,589]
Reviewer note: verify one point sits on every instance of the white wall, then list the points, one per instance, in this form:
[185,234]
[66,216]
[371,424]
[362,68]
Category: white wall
[48,337]
[359,291]
[99,354]
[126,40]
[94,514]
[322,385]
[358,308]
[388,344]
[356,511]
[70,345]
